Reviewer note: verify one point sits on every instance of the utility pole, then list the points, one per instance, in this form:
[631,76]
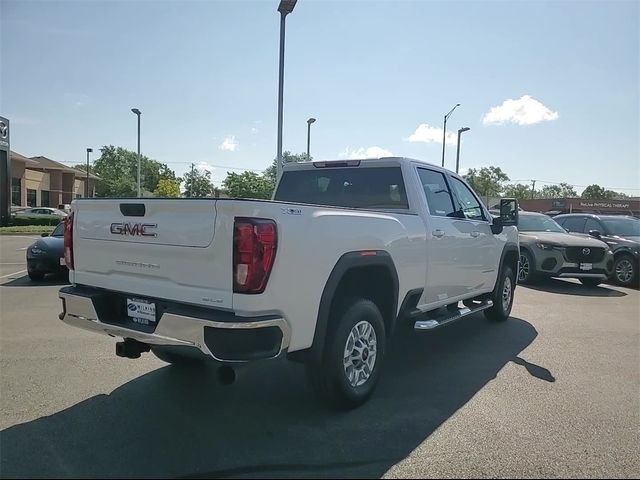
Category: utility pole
[533,189]
[190,192]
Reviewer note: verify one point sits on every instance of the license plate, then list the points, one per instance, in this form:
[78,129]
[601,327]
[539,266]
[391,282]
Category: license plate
[62,262]
[141,311]
[586,266]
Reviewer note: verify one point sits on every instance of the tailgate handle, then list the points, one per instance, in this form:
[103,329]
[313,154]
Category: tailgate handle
[133,209]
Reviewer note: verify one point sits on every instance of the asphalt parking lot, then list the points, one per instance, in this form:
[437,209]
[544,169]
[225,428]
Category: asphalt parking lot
[553,392]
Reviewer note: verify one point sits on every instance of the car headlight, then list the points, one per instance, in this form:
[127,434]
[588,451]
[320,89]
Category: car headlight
[547,246]
[37,250]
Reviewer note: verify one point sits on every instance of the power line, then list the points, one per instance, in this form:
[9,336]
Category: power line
[189,163]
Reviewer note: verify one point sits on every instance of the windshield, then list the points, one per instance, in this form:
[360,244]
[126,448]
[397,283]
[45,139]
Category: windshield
[59,231]
[624,227]
[538,223]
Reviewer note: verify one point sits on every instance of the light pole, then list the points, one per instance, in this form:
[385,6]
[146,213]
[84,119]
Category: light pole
[86,194]
[444,132]
[138,113]
[464,129]
[309,122]
[285,8]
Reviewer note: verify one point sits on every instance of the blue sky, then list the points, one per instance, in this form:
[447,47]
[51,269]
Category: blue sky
[204,74]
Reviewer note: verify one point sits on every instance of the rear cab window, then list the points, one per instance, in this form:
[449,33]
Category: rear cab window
[351,187]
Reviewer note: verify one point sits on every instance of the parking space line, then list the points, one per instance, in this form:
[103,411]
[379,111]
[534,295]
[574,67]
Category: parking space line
[11,263]
[14,273]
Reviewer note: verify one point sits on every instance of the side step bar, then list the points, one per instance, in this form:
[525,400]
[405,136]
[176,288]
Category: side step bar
[431,323]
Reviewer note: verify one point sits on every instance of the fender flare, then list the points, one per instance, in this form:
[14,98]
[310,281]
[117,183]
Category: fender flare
[346,263]
[509,247]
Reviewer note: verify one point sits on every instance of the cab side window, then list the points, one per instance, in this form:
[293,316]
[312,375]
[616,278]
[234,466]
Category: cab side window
[574,224]
[593,225]
[469,204]
[437,192]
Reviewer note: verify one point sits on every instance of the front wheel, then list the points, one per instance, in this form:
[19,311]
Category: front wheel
[625,270]
[526,268]
[348,372]
[502,296]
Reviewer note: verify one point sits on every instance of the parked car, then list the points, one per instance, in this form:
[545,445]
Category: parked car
[41,212]
[46,255]
[548,250]
[621,233]
[322,274]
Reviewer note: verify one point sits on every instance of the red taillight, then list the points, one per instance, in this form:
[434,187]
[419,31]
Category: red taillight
[255,242]
[68,241]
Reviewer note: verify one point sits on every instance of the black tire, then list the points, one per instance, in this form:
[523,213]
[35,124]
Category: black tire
[590,282]
[622,265]
[501,311]
[526,268]
[167,355]
[35,276]
[329,377]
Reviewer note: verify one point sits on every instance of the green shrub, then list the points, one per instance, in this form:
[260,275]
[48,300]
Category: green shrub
[51,220]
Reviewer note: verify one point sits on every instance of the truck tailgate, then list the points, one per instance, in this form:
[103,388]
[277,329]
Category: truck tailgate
[161,248]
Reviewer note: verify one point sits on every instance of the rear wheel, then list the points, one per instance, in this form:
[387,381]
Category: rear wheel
[348,372]
[625,270]
[591,282]
[502,296]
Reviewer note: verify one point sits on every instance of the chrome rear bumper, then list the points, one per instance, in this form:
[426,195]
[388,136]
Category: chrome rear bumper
[172,329]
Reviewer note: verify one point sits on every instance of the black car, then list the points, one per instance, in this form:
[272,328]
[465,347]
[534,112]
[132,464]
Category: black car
[46,255]
[621,233]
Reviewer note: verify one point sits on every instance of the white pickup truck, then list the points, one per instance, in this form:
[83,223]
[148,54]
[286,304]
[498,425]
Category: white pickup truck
[323,273]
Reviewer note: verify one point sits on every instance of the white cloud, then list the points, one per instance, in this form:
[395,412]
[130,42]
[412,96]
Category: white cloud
[230,143]
[427,134]
[523,111]
[254,130]
[202,165]
[371,152]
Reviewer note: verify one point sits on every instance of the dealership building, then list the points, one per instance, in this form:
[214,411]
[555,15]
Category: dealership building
[42,182]
[556,206]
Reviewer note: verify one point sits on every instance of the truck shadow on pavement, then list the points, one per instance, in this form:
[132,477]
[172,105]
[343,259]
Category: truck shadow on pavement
[554,285]
[48,281]
[181,423]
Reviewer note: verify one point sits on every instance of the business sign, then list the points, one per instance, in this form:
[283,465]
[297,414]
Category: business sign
[605,204]
[561,203]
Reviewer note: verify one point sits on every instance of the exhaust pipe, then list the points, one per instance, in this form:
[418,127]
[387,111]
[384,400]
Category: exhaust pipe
[131,348]
[226,375]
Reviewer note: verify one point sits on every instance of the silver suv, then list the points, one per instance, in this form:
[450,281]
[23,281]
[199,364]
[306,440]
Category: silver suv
[548,250]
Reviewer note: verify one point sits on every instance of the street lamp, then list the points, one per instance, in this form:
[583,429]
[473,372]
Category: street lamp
[138,113]
[444,133]
[464,129]
[285,8]
[309,122]
[86,190]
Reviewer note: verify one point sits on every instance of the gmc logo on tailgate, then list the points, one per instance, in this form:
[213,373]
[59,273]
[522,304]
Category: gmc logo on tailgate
[134,229]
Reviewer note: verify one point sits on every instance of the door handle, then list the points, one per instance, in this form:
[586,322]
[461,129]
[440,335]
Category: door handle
[438,233]
[475,234]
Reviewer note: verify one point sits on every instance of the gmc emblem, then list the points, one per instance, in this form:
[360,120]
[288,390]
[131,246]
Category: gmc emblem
[133,229]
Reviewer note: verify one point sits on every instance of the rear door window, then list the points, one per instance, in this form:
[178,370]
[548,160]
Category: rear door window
[437,193]
[353,187]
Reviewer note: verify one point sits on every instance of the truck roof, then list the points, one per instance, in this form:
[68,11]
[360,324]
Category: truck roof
[362,162]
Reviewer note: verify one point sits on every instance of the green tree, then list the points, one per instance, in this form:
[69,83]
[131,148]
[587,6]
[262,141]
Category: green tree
[517,190]
[248,185]
[167,188]
[198,183]
[488,181]
[594,192]
[557,191]
[287,157]
[118,172]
